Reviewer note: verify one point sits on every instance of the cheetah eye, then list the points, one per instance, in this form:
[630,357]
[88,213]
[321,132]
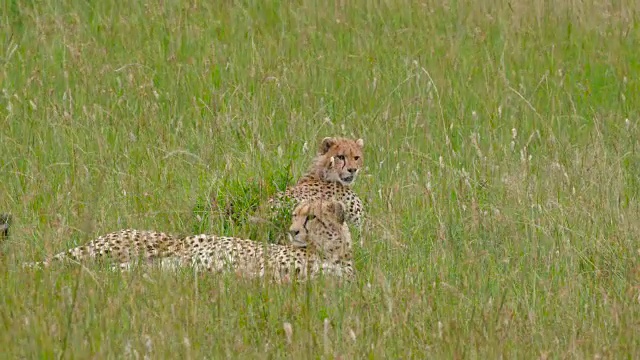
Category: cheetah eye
[356,158]
[340,157]
[310,217]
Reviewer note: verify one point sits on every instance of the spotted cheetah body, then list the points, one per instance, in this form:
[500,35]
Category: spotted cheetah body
[320,243]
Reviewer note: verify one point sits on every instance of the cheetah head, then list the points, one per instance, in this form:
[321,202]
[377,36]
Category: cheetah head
[320,224]
[339,160]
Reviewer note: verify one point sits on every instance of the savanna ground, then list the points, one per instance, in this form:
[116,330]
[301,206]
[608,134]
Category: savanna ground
[502,174]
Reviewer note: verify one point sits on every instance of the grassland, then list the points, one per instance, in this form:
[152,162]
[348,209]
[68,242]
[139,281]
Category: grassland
[502,174]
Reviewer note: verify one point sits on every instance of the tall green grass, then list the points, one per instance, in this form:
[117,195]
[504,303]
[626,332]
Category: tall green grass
[502,174]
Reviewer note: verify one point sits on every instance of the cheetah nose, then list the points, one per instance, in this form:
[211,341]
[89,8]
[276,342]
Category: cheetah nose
[353,171]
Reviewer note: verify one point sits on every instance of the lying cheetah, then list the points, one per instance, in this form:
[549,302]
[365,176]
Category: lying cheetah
[320,243]
[334,170]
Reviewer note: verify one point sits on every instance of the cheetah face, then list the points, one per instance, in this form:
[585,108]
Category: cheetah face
[340,159]
[316,223]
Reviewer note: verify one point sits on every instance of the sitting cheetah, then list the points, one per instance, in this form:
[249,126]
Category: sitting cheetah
[330,177]
[320,243]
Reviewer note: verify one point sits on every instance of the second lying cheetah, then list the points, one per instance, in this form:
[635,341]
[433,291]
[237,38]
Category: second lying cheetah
[320,243]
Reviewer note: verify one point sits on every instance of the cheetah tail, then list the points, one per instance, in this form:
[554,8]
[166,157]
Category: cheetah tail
[72,255]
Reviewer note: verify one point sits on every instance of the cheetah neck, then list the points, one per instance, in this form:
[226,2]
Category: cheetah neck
[314,177]
[336,262]
[340,254]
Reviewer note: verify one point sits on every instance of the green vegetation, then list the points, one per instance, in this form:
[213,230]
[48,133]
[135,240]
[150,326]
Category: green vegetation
[502,176]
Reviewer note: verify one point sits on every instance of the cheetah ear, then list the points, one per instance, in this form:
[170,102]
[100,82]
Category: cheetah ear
[326,144]
[337,208]
[360,143]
